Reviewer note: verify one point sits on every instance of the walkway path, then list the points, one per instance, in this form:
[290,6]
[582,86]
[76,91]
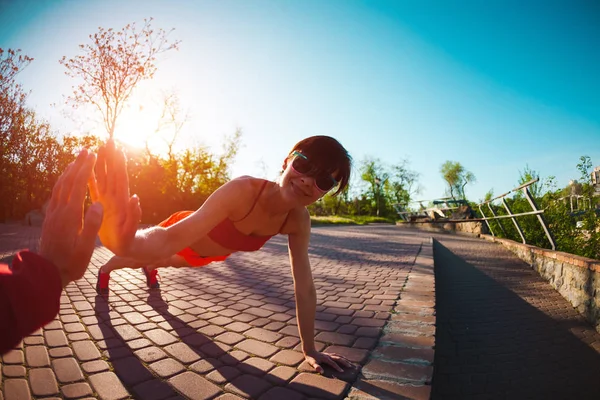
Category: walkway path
[503,332]
[225,331]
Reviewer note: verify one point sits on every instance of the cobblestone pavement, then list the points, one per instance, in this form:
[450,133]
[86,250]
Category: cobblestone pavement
[225,331]
[505,333]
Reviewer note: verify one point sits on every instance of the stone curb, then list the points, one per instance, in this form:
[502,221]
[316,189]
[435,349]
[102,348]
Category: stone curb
[401,366]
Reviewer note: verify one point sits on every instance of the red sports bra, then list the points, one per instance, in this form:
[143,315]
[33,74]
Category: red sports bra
[228,236]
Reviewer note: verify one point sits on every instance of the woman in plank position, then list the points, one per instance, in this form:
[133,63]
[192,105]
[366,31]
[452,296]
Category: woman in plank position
[242,215]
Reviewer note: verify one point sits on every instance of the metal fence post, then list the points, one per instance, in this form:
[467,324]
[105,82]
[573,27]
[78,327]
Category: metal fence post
[499,223]
[540,217]
[486,221]
[514,220]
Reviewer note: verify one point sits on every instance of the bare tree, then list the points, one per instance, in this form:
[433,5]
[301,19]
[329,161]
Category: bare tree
[112,65]
[171,121]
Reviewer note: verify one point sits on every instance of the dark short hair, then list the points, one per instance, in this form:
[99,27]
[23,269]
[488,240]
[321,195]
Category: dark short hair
[328,155]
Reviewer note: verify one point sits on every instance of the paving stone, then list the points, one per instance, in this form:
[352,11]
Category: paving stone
[404,354]
[248,386]
[335,338]
[127,332]
[365,343]
[85,351]
[131,371]
[13,371]
[206,365]
[37,356]
[214,349]
[196,340]
[233,357]
[92,367]
[53,325]
[281,375]
[100,331]
[33,340]
[288,357]
[230,338]
[379,369]
[257,348]
[108,386]
[288,342]
[211,330]
[13,357]
[67,370]
[135,318]
[260,322]
[74,337]
[183,353]
[16,389]
[160,337]
[167,367]
[407,340]
[318,386]
[375,390]
[139,344]
[42,382]
[74,327]
[352,354]
[229,396]
[59,352]
[238,327]
[66,319]
[223,375]
[255,366]
[263,335]
[154,389]
[194,387]
[76,390]
[278,393]
[274,326]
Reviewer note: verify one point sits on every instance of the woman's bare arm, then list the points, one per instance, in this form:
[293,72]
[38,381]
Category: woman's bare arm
[159,242]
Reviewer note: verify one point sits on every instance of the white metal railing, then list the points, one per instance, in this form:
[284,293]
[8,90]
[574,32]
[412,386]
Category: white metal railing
[537,212]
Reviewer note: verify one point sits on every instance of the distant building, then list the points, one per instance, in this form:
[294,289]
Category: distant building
[596,180]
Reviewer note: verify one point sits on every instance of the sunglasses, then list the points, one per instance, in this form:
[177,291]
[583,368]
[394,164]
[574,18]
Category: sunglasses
[323,181]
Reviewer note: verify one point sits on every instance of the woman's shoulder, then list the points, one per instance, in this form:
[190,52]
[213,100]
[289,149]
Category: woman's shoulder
[298,220]
[247,183]
[244,188]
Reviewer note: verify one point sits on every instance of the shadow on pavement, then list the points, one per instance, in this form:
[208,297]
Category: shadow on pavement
[491,343]
[195,351]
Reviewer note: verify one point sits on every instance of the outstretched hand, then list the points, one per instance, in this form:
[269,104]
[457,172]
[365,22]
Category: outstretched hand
[110,187]
[317,359]
[67,240]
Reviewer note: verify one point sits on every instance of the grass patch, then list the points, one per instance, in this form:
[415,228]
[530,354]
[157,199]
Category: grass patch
[348,220]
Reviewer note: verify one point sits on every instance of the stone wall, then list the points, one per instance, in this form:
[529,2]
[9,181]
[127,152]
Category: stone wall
[473,228]
[576,278]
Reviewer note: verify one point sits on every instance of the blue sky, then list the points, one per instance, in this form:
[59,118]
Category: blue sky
[495,85]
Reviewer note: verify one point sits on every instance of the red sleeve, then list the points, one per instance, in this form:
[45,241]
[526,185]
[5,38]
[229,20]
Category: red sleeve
[29,297]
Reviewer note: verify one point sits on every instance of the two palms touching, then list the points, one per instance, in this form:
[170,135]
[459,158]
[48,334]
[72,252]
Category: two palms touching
[109,185]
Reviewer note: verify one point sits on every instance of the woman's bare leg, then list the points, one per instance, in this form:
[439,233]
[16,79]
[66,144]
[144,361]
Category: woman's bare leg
[117,262]
[174,261]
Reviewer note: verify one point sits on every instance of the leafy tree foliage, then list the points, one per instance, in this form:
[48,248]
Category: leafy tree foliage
[379,189]
[180,181]
[457,177]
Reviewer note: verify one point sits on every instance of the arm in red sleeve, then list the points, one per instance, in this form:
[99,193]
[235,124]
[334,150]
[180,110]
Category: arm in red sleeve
[29,297]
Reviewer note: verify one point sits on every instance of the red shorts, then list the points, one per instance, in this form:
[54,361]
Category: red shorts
[190,256]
